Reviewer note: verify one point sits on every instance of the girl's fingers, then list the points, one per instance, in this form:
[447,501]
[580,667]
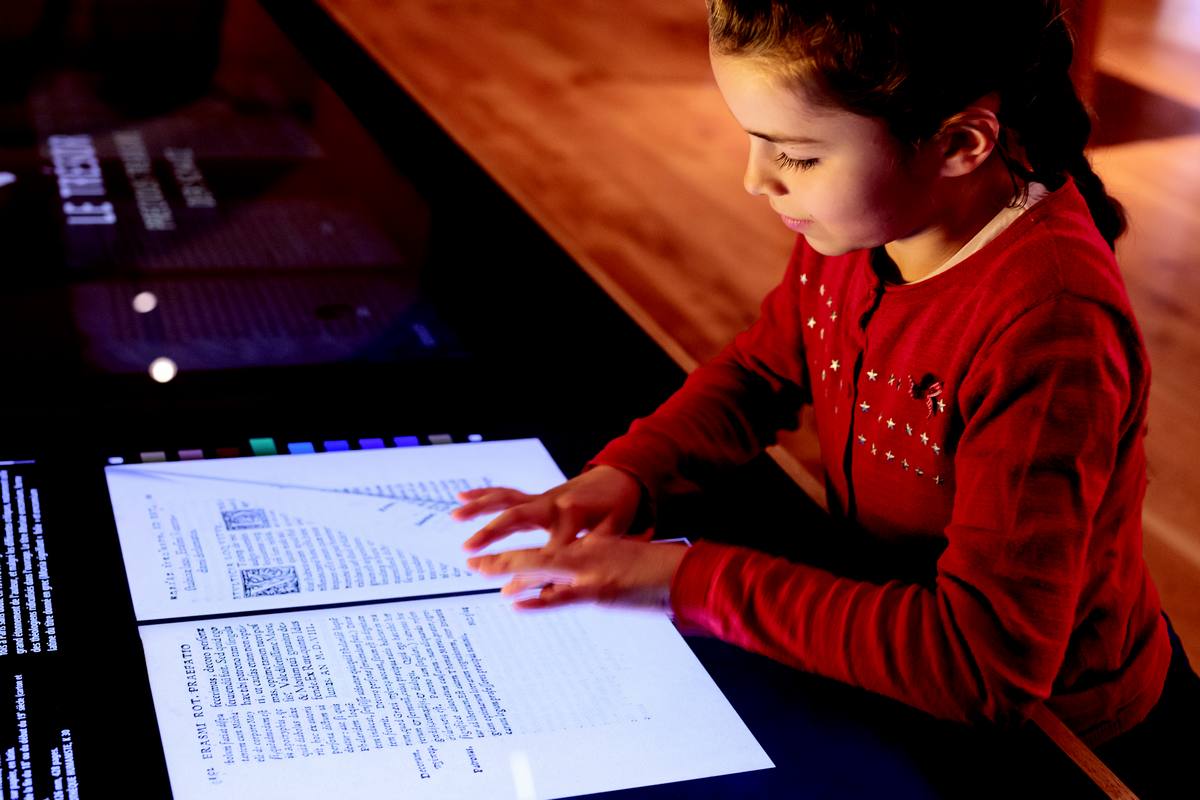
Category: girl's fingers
[531,563]
[483,501]
[521,584]
[515,520]
[567,524]
[611,525]
[556,594]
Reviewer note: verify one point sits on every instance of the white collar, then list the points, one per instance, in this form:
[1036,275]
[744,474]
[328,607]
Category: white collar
[990,231]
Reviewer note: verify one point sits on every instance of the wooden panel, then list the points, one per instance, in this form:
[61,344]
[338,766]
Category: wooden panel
[1159,183]
[1154,44]
[612,135]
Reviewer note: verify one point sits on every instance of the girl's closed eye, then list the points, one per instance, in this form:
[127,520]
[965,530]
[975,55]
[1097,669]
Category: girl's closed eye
[800,164]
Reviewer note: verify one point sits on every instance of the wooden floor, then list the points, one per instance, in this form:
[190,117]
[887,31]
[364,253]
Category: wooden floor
[1148,152]
[605,125]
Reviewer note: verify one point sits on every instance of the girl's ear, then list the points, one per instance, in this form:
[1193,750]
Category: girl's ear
[969,137]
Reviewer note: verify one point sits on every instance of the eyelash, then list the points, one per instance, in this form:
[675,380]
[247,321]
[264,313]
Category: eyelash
[800,164]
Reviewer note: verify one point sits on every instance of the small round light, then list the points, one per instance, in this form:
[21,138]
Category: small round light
[163,369]
[144,302]
[116,460]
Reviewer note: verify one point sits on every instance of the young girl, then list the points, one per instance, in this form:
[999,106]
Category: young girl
[954,313]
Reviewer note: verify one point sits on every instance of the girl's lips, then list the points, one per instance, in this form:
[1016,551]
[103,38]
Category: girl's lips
[797,225]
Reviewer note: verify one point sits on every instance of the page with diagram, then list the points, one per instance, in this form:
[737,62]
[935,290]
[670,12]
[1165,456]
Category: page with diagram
[223,536]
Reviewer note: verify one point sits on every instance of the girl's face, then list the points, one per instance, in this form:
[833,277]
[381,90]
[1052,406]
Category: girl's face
[840,179]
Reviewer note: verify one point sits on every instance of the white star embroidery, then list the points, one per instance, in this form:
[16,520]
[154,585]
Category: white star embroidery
[920,471]
[908,429]
[829,302]
[941,405]
[936,449]
[822,290]
[891,423]
[879,418]
[833,316]
[889,455]
[804,279]
[862,439]
[865,406]
[892,381]
[812,322]
[938,480]
[904,463]
[835,365]
[872,374]
[874,451]
[924,438]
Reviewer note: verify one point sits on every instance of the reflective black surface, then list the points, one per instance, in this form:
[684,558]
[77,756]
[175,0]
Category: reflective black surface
[242,192]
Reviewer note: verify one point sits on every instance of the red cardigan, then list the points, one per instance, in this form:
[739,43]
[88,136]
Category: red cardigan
[998,408]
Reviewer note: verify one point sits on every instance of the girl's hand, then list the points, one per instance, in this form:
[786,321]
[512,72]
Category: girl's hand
[603,501]
[601,569]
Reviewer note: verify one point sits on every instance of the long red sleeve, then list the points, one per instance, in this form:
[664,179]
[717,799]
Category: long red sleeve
[997,409]
[730,408]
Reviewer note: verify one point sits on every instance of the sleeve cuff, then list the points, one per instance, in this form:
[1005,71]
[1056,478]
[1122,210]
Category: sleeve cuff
[693,585]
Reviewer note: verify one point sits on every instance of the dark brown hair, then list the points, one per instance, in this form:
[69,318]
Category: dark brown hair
[917,64]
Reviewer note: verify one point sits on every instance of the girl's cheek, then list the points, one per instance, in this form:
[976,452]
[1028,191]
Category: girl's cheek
[834,203]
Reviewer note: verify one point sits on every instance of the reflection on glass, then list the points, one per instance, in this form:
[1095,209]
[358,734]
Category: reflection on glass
[145,302]
[163,369]
[522,774]
[186,150]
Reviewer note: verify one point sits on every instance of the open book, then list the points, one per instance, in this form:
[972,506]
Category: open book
[284,659]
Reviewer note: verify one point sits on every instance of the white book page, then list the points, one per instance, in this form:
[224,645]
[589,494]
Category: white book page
[272,532]
[437,698]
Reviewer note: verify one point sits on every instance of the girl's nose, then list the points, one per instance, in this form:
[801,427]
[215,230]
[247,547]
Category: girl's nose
[761,181]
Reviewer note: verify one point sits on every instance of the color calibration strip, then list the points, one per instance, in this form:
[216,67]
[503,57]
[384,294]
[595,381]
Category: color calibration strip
[267,446]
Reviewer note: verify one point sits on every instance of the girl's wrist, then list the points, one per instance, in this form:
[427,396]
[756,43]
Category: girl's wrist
[673,555]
